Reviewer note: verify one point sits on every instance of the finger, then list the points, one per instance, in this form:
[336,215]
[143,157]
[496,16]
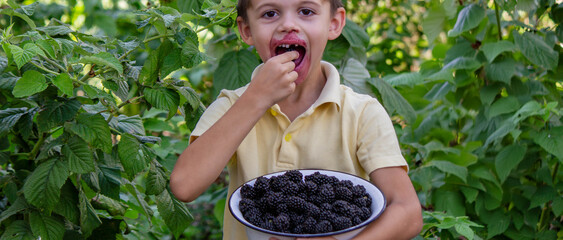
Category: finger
[288,66]
[288,56]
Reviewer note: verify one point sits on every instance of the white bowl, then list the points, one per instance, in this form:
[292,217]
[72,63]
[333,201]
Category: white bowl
[254,232]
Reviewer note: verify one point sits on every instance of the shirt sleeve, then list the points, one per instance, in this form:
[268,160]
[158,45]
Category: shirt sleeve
[378,146]
[213,113]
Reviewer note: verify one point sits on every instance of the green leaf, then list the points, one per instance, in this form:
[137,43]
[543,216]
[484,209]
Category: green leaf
[21,56]
[30,83]
[163,98]
[465,230]
[19,205]
[501,71]
[175,214]
[503,105]
[89,220]
[219,210]
[557,206]
[451,168]
[156,181]
[9,117]
[356,36]
[64,83]
[47,227]
[55,113]
[497,223]
[126,124]
[55,30]
[355,76]
[536,50]
[234,70]
[531,108]
[526,5]
[113,207]
[393,100]
[171,63]
[468,18]
[68,203]
[493,49]
[191,56]
[336,49]
[433,22]
[507,159]
[78,155]
[135,156]
[149,72]
[43,187]
[449,201]
[103,59]
[110,181]
[94,129]
[543,195]
[467,63]
[18,230]
[409,79]
[11,12]
[192,98]
[551,140]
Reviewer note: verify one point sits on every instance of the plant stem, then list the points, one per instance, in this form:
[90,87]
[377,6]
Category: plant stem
[129,101]
[37,146]
[157,37]
[50,61]
[43,68]
[85,77]
[498,20]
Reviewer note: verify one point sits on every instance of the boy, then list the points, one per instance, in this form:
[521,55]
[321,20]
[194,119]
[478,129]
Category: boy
[295,114]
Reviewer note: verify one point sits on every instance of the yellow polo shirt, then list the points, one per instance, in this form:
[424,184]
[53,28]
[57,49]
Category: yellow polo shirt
[342,130]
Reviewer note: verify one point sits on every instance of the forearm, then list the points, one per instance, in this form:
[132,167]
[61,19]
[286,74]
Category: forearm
[398,221]
[204,159]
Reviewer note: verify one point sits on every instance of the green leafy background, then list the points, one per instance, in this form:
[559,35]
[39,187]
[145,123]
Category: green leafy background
[97,99]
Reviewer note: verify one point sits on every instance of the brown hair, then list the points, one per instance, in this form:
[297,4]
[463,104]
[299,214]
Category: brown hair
[243,5]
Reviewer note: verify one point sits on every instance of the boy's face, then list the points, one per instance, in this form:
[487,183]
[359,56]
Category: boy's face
[278,26]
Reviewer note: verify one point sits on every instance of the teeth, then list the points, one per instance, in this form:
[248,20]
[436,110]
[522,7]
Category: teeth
[288,45]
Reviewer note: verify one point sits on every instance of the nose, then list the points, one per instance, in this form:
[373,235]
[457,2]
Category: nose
[289,23]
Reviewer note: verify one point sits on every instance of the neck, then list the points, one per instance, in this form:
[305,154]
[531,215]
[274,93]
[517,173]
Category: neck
[305,94]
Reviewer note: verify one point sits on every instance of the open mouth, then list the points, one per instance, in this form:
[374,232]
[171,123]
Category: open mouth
[283,48]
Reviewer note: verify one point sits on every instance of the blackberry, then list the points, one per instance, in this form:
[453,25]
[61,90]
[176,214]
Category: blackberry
[356,220]
[261,185]
[296,203]
[253,216]
[358,191]
[246,204]
[268,221]
[326,215]
[273,199]
[309,225]
[323,227]
[294,175]
[326,192]
[340,223]
[309,187]
[366,213]
[341,207]
[277,183]
[290,189]
[318,178]
[345,183]
[343,193]
[312,210]
[282,208]
[298,229]
[282,223]
[326,206]
[361,202]
[297,218]
[355,211]
[247,191]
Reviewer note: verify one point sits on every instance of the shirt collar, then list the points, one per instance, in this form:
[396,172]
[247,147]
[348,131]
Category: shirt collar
[330,92]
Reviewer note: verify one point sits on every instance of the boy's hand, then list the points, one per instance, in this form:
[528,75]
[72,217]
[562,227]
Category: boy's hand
[276,79]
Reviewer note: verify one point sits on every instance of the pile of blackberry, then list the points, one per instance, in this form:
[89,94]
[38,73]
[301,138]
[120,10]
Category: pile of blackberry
[316,203]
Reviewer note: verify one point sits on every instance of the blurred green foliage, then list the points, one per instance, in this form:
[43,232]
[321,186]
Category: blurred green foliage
[102,94]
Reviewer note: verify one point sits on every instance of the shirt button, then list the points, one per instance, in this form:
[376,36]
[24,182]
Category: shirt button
[288,137]
[273,112]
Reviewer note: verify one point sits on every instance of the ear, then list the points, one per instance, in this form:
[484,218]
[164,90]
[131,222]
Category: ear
[337,23]
[244,30]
